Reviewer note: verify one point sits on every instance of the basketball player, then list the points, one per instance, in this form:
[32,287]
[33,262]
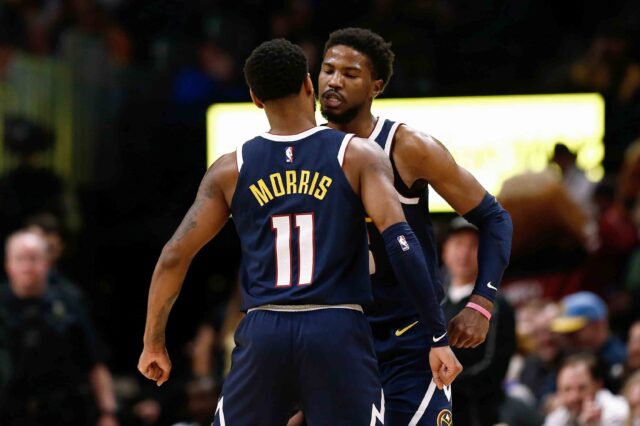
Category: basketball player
[297,195]
[357,66]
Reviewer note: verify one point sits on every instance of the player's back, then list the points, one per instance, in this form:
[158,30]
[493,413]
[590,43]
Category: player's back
[300,223]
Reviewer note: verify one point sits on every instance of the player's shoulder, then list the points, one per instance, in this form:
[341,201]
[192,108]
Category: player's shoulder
[412,137]
[335,135]
[225,168]
[411,143]
[364,149]
[365,156]
[224,162]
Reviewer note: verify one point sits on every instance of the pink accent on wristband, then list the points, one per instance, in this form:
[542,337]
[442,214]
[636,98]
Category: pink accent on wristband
[480,309]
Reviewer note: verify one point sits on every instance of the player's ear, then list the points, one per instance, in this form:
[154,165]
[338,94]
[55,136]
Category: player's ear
[308,85]
[257,102]
[377,88]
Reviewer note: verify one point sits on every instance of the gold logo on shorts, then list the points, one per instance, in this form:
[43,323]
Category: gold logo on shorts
[404,330]
[445,418]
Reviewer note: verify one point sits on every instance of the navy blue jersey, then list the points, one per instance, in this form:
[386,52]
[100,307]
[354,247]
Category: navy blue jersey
[392,306]
[300,223]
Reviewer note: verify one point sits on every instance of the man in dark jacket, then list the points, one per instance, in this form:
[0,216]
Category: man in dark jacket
[477,393]
[51,345]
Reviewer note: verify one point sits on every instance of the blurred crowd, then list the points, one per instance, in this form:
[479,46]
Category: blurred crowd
[102,115]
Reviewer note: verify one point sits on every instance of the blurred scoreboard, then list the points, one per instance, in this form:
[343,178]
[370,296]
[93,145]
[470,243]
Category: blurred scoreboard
[494,137]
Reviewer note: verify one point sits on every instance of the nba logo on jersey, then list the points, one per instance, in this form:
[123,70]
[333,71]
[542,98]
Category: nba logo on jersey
[289,153]
[403,243]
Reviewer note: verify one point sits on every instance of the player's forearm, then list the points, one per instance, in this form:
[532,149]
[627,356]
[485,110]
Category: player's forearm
[166,283]
[409,265]
[494,247]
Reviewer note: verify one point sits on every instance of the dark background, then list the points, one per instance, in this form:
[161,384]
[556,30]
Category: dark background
[144,72]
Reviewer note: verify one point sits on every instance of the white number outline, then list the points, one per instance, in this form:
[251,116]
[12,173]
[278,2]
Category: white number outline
[282,226]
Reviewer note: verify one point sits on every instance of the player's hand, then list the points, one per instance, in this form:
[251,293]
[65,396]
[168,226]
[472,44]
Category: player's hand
[445,367]
[469,328]
[154,364]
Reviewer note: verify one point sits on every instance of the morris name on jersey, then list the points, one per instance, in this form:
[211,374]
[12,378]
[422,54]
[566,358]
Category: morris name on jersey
[290,182]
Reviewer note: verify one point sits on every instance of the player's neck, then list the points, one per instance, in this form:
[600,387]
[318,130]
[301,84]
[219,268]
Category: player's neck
[362,125]
[290,118]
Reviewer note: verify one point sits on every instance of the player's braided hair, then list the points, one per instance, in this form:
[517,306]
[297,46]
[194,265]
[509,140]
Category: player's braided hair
[275,69]
[370,44]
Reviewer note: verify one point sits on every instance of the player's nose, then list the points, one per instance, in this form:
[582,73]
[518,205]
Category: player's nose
[335,80]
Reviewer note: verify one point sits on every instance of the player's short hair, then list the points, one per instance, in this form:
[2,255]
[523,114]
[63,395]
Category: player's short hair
[370,44]
[276,69]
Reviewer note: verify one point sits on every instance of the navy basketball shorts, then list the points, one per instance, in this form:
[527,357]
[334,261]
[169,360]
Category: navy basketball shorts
[411,396]
[321,361]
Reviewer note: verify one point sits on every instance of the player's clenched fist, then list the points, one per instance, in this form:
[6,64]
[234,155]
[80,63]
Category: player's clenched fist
[445,367]
[154,364]
[469,328]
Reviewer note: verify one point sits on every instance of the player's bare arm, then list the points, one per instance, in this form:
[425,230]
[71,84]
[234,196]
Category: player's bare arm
[369,170]
[420,157]
[206,216]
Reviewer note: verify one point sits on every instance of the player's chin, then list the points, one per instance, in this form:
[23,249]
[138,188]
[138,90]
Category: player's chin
[334,115]
[327,111]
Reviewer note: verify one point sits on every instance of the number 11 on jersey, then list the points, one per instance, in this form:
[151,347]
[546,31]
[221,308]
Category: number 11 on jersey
[281,225]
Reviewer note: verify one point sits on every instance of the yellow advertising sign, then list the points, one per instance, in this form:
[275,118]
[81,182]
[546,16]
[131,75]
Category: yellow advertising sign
[494,137]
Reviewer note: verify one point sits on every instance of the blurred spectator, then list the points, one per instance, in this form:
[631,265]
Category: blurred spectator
[153,406]
[628,212]
[547,222]
[631,392]
[214,340]
[633,350]
[48,226]
[550,238]
[202,399]
[584,327]
[213,79]
[5,363]
[580,188]
[28,189]
[89,25]
[313,53]
[629,182]
[6,53]
[581,400]
[541,365]
[52,347]
[610,67]
[617,234]
[478,394]
[617,228]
